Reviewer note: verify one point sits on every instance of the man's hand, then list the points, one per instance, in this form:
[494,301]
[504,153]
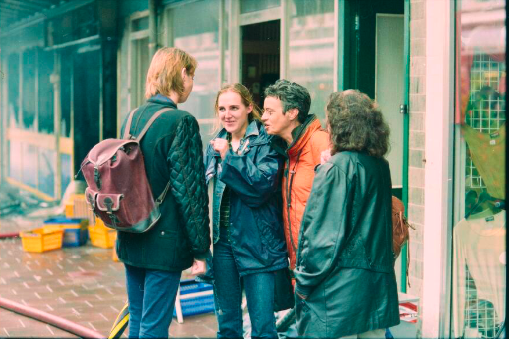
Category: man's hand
[221,146]
[325,156]
[199,267]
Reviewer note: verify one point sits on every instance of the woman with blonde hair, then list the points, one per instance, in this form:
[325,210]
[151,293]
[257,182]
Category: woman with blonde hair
[346,285]
[172,152]
[249,245]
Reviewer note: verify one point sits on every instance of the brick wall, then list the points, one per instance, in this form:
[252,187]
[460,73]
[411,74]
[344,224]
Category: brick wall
[417,109]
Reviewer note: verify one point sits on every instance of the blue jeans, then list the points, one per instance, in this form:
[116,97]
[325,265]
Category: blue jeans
[151,295]
[259,288]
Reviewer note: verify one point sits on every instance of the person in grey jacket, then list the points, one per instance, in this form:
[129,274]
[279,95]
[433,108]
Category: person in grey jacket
[345,280]
[172,151]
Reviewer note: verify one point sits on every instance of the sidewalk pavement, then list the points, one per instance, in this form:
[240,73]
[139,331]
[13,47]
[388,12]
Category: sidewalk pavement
[81,284]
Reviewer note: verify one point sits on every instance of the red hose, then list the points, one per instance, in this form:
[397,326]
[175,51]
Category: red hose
[50,319]
[9,235]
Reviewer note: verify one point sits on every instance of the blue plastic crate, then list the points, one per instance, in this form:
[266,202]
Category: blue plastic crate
[191,286]
[198,305]
[75,230]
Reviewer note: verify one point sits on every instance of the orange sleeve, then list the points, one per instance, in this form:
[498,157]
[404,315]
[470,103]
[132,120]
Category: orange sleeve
[320,142]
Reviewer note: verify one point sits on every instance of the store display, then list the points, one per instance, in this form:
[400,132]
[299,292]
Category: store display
[478,243]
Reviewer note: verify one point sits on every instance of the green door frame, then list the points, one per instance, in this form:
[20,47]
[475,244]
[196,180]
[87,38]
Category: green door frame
[346,22]
[406,128]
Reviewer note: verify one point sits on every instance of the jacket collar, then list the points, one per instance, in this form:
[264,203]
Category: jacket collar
[162,100]
[300,135]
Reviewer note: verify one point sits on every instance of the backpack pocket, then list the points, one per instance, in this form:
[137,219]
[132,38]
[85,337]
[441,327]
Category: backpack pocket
[108,203]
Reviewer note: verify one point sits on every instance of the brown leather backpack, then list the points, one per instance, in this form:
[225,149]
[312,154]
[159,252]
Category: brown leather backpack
[400,230]
[118,189]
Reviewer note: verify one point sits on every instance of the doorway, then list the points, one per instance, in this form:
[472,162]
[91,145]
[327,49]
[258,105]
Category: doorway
[260,57]
[86,103]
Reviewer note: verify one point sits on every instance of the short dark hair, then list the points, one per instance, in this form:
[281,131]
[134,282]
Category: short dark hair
[356,124]
[292,95]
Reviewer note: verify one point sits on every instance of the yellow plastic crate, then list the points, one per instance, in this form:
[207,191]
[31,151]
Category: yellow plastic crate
[42,240]
[102,236]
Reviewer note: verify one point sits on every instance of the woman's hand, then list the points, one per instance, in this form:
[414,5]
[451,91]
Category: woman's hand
[221,146]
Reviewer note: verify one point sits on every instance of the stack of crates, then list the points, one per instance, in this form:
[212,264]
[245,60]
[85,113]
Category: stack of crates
[75,230]
[102,236]
[41,240]
[77,207]
[193,298]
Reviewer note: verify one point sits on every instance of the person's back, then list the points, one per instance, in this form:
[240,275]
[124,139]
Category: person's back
[172,150]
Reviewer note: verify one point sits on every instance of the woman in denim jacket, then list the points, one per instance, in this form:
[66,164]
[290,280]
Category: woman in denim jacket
[248,237]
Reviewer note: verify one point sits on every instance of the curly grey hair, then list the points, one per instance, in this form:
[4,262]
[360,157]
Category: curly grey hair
[356,124]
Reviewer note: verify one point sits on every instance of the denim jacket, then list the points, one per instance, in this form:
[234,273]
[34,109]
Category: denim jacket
[253,176]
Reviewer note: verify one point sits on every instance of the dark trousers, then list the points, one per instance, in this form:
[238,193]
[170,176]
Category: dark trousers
[151,295]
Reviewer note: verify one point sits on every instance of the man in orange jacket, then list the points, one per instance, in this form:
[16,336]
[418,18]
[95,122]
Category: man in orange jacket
[286,115]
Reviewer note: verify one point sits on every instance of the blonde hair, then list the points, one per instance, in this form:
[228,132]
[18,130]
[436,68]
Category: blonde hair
[245,97]
[163,76]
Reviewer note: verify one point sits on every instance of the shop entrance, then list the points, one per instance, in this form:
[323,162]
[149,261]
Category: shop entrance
[86,103]
[260,57]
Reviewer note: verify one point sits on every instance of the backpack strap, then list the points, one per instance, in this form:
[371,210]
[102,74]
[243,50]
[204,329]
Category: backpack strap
[127,130]
[150,122]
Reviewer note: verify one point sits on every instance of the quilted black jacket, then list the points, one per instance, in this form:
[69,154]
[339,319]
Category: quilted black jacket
[172,150]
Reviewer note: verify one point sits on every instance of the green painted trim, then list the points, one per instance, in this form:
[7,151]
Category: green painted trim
[406,128]
[342,36]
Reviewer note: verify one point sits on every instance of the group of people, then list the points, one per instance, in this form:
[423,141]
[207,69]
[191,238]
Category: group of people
[282,194]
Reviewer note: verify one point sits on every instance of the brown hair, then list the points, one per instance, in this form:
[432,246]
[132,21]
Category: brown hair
[246,98]
[356,124]
[163,76]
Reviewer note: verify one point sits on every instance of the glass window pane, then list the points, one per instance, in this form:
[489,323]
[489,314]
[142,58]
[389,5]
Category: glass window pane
[65,93]
[141,62]
[15,160]
[29,97]
[13,90]
[66,163]
[247,6]
[311,50]
[30,165]
[479,229]
[200,38]
[47,171]
[46,113]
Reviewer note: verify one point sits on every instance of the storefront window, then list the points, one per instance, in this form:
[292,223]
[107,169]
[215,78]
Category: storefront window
[248,6]
[479,227]
[46,113]
[29,97]
[13,90]
[311,49]
[200,38]
[47,171]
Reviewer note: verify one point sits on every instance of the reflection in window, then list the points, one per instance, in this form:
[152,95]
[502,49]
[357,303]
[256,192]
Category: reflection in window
[247,6]
[478,278]
[13,90]
[140,62]
[47,171]
[311,50]
[46,121]
[66,171]
[200,38]
[15,160]
[65,93]
[29,94]
[30,165]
